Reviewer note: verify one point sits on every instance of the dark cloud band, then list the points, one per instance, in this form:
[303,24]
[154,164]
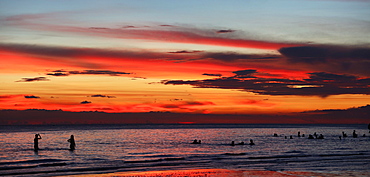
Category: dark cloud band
[319,84]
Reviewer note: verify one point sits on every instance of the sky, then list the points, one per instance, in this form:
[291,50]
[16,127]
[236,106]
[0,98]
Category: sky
[253,57]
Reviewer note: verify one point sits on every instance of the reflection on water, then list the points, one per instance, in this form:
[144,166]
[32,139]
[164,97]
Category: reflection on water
[223,173]
[125,148]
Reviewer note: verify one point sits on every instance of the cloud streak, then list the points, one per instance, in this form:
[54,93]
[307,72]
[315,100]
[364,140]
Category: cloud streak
[318,84]
[225,31]
[310,58]
[99,72]
[32,96]
[102,96]
[68,52]
[65,57]
[180,35]
[174,34]
[207,74]
[33,79]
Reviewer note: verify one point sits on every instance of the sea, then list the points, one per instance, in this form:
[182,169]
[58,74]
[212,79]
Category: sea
[139,148]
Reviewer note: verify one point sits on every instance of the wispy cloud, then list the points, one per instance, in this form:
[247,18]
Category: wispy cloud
[102,96]
[33,79]
[225,31]
[31,96]
[351,60]
[58,74]
[174,34]
[103,58]
[207,74]
[87,72]
[98,72]
[234,56]
[186,51]
[183,104]
[60,51]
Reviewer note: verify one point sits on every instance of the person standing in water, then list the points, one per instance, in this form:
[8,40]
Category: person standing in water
[36,142]
[72,143]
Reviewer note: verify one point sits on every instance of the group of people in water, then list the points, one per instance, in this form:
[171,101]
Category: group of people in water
[232,142]
[197,142]
[71,140]
[242,143]
[310,136]
[72,143]
[354,134]
[321,136]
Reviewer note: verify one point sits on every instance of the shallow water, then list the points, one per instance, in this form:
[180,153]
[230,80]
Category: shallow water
[115,148]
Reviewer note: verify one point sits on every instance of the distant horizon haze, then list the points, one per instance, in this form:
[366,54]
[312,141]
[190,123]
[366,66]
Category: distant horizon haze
[358,115]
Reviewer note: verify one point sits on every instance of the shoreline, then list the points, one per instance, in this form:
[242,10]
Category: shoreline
[222,173]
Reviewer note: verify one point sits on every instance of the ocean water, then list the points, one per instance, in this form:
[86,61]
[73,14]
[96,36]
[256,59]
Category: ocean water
[119,148]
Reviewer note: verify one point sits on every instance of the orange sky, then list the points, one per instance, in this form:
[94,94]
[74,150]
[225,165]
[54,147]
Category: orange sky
[89,60]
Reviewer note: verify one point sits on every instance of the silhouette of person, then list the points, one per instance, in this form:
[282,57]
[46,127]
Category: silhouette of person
[310,137]
[299,134]
[321,136]
[241,143]
[354,134]
[291,137]
[232,143]
[251,142]
[195,142]
[344,134]
[315,134]
[72,143]
[36,142]
[275,135]
[200,142]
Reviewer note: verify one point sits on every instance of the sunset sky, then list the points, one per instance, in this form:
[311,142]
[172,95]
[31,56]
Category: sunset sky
[193,56]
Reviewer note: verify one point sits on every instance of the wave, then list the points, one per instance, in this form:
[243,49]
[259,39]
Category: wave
[156,160]
[33,166]
[331,155]
[31,161]
[294,151]
[279,156]
[237,159]
[235,154]
[94,169]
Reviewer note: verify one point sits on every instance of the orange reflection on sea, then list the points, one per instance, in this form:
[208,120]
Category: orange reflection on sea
[215,173]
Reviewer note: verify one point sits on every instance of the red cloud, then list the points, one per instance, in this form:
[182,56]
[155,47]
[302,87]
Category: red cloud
[185,104]
[174,34]
[195,36]
[36,57]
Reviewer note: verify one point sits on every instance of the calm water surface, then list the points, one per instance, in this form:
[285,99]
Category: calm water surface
[114,148]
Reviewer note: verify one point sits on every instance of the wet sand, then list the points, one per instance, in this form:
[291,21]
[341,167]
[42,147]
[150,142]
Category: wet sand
[224,172]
